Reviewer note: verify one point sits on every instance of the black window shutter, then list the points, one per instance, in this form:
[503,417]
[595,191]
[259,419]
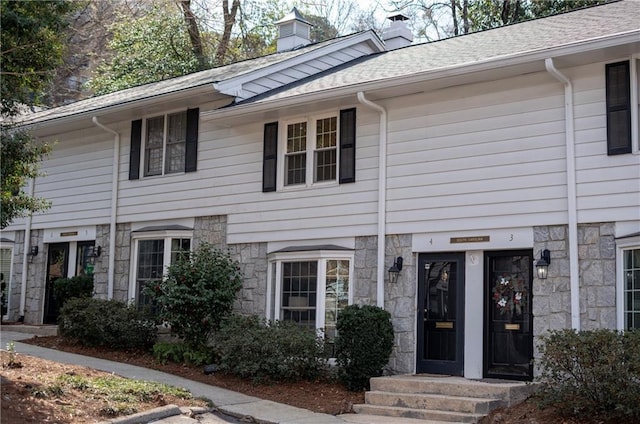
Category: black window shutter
[270,157]
[347,146]
[191,147]
[618,108]
[134,152]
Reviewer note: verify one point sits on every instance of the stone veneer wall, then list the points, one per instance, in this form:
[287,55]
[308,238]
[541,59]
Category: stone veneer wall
[36,276]
[122,262]
[597,254]
[597,267]
[400,301]
[101,267]
[365,271]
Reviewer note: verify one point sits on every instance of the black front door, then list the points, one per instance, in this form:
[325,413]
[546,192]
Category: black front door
[508,317]
[440,313]
[57,266]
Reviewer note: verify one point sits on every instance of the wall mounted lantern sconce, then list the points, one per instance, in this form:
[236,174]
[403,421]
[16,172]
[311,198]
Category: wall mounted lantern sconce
[395,269]
[32,252]
[542,264]
[94,253]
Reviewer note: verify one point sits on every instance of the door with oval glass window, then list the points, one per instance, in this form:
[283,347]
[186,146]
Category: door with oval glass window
[508,315]
[440,313]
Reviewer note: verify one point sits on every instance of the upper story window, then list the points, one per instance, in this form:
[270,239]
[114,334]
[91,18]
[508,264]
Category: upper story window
[622,107]
[311,155]
[170,144]
[310,151]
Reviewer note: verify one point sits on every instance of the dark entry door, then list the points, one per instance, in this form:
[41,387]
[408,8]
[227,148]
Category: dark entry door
[440,314]
[57,266]
[508,317]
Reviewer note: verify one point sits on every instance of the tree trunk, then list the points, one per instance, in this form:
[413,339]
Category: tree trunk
[229,21]
[194,32]
[454,16]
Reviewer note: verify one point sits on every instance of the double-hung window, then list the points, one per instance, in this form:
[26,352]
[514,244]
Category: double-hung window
[164,144]
[153,255]
[310,151]
[310,288]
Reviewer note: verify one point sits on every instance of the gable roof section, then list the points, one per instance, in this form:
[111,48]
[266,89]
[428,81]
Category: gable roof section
[229,81]
[583,30]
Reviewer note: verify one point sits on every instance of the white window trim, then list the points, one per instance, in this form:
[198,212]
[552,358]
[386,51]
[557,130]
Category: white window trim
[143,147]
[273,310]
[166,256]
[630,243]
[311,149]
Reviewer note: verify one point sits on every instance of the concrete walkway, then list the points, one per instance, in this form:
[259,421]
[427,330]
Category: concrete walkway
[243,407]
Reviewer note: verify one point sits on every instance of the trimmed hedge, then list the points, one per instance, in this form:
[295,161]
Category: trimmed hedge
[109,323]
[592,373]
[250,347]
[363,345]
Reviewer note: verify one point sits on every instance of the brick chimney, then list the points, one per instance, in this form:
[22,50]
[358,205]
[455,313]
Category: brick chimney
[398,33]
[293,31]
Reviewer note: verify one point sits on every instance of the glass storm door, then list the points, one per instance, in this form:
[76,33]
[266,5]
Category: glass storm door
[508,317]
[440,314]
[57,266]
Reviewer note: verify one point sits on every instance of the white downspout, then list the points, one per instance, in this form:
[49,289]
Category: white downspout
[572,208]
[25,255]
[114,206]
[382,195]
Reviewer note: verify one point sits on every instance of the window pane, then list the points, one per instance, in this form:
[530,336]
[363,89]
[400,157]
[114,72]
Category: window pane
[297,137]
[180,249]
[150,267]
[296,168]
[299,289]
[154,146]
[176,142]
[325,165]
[336,295]
[326,133]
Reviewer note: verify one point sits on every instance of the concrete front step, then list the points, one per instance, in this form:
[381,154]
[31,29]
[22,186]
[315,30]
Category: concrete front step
[381,419]
[36,330]
[509,391]
[419,414]
[434,402]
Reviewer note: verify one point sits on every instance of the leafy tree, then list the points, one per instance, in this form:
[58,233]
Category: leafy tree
[147,49]
[31,49]
[197,294]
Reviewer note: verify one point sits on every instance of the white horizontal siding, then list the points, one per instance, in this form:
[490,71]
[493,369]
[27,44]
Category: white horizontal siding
[77,181]
[478,157]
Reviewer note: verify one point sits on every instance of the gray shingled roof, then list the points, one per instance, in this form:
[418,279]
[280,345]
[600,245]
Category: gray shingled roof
[172,85]
[524,38]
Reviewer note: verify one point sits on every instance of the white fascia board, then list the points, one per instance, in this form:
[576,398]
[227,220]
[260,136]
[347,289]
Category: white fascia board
[628,38]
[233,86]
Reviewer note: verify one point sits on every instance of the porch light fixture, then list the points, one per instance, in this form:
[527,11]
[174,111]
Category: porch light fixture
[395,269]
[94,253]
[32,252]
[542,264]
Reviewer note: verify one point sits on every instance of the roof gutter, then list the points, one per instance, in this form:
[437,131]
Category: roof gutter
[114,205]
[572,209]
[382,194]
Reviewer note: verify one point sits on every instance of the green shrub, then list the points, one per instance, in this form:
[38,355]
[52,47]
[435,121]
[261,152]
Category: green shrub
[363,344]
[250,347]
[181,353]
[97,322]
[68,288]
[197,294]
[592,373]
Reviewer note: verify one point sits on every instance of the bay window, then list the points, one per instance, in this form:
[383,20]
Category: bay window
[310,288]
